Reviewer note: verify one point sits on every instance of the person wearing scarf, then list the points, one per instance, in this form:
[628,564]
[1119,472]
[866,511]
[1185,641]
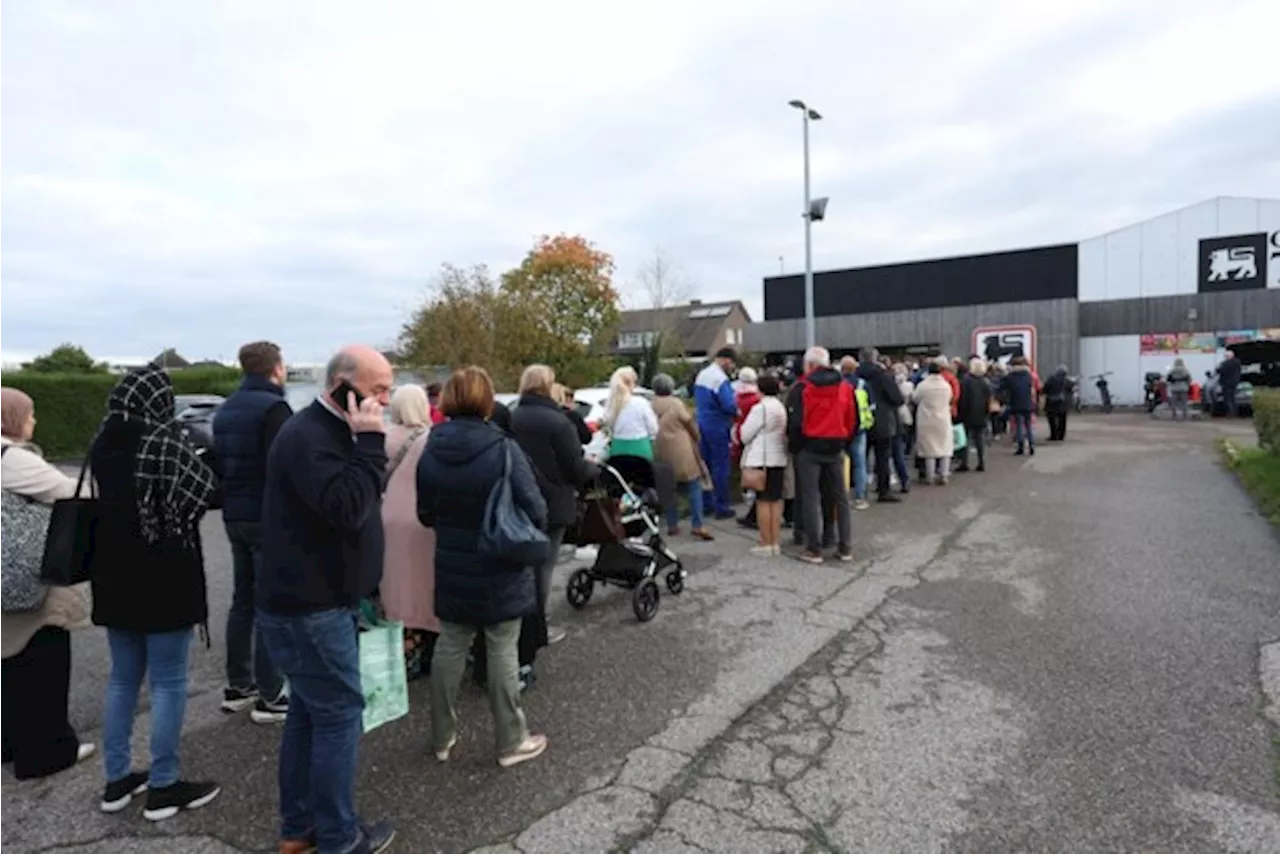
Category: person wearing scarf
[148,585]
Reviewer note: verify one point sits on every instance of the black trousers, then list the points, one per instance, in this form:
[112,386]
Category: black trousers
[1057,425]
[883,447]
[38,739]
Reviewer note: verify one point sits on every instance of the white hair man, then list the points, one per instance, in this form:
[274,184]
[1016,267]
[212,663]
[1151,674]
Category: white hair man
[820,425]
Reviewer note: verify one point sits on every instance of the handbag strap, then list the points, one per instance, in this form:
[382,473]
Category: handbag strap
[84,468]
[404,451]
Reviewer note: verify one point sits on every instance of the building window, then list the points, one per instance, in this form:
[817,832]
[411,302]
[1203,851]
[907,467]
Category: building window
[635,340]
[732,337]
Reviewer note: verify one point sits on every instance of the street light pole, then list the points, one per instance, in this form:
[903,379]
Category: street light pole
[810,329]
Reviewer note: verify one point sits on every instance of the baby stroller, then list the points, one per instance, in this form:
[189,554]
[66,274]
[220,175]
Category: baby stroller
[621,514]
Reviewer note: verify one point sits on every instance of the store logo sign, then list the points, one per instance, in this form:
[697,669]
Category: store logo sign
[1002,343]
[1234,263]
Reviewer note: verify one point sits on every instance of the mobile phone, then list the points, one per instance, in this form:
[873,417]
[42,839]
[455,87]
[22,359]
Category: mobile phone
[341,392]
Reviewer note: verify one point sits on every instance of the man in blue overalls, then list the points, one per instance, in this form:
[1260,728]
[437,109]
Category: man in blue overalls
[717,409]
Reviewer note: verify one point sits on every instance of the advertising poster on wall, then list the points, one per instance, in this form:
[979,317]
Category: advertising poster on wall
[1270,334]
[1236,336]
[1002,343]
[1198,342]
[1153,344]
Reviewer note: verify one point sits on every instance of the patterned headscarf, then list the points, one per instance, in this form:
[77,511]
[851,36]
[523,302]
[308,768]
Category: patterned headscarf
[173,485]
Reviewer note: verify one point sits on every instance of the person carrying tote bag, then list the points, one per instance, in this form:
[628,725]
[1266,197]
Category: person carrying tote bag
[38,738]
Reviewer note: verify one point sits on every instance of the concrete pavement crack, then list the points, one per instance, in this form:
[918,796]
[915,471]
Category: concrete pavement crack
[821,661]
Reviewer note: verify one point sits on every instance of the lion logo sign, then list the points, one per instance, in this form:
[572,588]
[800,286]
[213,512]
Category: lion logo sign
[1235,263]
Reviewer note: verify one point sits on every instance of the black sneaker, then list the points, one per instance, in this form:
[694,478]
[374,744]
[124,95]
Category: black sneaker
[374,838]
[238,699]
[119,794]
[273,712]
[182,795]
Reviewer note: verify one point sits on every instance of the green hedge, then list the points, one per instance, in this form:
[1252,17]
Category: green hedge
[1266,418]
[69,407]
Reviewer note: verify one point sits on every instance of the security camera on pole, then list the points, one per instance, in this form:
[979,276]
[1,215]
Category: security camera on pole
[814,211]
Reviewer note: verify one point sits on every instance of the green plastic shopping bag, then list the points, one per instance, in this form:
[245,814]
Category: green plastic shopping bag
[382,673]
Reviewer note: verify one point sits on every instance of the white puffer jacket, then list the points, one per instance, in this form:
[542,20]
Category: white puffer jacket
[764,435]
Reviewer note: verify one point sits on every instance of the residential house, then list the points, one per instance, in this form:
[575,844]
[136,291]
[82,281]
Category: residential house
[699,329]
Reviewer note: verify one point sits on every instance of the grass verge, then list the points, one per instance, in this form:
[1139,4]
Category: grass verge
[1259,471]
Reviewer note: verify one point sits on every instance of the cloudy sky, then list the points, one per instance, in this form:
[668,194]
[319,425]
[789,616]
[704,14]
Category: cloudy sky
[198,174]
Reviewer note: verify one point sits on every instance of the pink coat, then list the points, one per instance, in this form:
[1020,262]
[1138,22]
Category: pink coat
[409,567]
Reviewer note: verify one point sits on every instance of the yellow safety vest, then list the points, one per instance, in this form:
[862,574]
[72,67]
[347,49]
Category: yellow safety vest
[866,418]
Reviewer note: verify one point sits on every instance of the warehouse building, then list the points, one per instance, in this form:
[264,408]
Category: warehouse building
[1187,284]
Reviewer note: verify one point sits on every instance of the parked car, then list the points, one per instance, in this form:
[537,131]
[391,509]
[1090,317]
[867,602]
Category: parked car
[194,414]
[1261,369]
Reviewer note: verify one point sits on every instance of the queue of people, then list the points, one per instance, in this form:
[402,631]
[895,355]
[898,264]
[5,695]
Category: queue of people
[332,507]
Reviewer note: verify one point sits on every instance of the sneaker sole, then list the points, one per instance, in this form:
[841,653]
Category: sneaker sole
[169,812]
[116,806]
[231,707]
[518,758]
[260,717]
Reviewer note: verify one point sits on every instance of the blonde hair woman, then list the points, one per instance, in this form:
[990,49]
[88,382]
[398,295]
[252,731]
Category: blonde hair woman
[408,569]
[629,418]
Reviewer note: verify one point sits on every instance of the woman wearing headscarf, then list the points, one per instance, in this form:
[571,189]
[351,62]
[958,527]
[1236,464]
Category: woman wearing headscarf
[38,739]
[148,585]
[677,447]
[629,418]
[407,591]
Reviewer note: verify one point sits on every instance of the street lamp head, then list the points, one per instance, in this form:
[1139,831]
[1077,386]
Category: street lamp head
[814,115]
[798,104]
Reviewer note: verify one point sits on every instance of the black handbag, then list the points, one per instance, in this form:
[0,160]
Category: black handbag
[507,531]
[73,528]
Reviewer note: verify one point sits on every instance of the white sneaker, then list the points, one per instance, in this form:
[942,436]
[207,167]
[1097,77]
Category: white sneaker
[761,551]
[85,750]
[861,504]
[443,754]
[555,634]
[532,747]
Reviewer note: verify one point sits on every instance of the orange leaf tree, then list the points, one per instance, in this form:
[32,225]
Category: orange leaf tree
[560,300]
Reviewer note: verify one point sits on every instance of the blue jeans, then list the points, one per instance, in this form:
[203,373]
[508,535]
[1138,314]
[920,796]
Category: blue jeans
[162,659]
[320,656]
[715,451]
[858,455]
[1021,428]
[899,451]
[694,490]
[248,664]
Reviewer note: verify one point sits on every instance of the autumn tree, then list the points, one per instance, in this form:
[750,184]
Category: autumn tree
[65,359]
[560,303]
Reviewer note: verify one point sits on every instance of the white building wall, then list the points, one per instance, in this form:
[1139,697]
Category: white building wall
[1160,257]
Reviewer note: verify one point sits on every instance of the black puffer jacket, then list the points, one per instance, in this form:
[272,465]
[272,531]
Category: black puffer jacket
[975,400]
[548,436]
[463,460]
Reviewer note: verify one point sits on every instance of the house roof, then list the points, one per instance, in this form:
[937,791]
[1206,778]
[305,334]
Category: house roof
[696,324]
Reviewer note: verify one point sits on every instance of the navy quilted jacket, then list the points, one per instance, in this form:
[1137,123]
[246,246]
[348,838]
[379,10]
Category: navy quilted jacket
[463,460]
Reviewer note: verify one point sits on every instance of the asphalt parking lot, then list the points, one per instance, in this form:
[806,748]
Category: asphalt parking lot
[1067,653]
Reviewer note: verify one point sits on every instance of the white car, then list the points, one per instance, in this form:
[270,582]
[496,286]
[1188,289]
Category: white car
[590,405]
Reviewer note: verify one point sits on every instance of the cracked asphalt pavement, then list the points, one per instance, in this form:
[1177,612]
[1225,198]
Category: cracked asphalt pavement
[1074,652]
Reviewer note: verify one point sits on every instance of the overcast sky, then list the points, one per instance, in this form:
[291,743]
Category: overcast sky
[198,174]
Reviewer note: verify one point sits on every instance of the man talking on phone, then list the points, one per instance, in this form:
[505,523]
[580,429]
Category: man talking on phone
[322,547]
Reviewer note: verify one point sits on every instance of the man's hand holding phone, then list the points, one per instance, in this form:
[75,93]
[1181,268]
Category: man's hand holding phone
[364,416]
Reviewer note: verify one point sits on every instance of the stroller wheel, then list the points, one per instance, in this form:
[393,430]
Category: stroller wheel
[580,588]
[675,581]
[644,601]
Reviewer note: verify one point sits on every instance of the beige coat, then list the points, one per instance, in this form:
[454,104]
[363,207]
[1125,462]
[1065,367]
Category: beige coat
[678,437]
[26,473]
[764,435]
[934,439]
[408,587]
